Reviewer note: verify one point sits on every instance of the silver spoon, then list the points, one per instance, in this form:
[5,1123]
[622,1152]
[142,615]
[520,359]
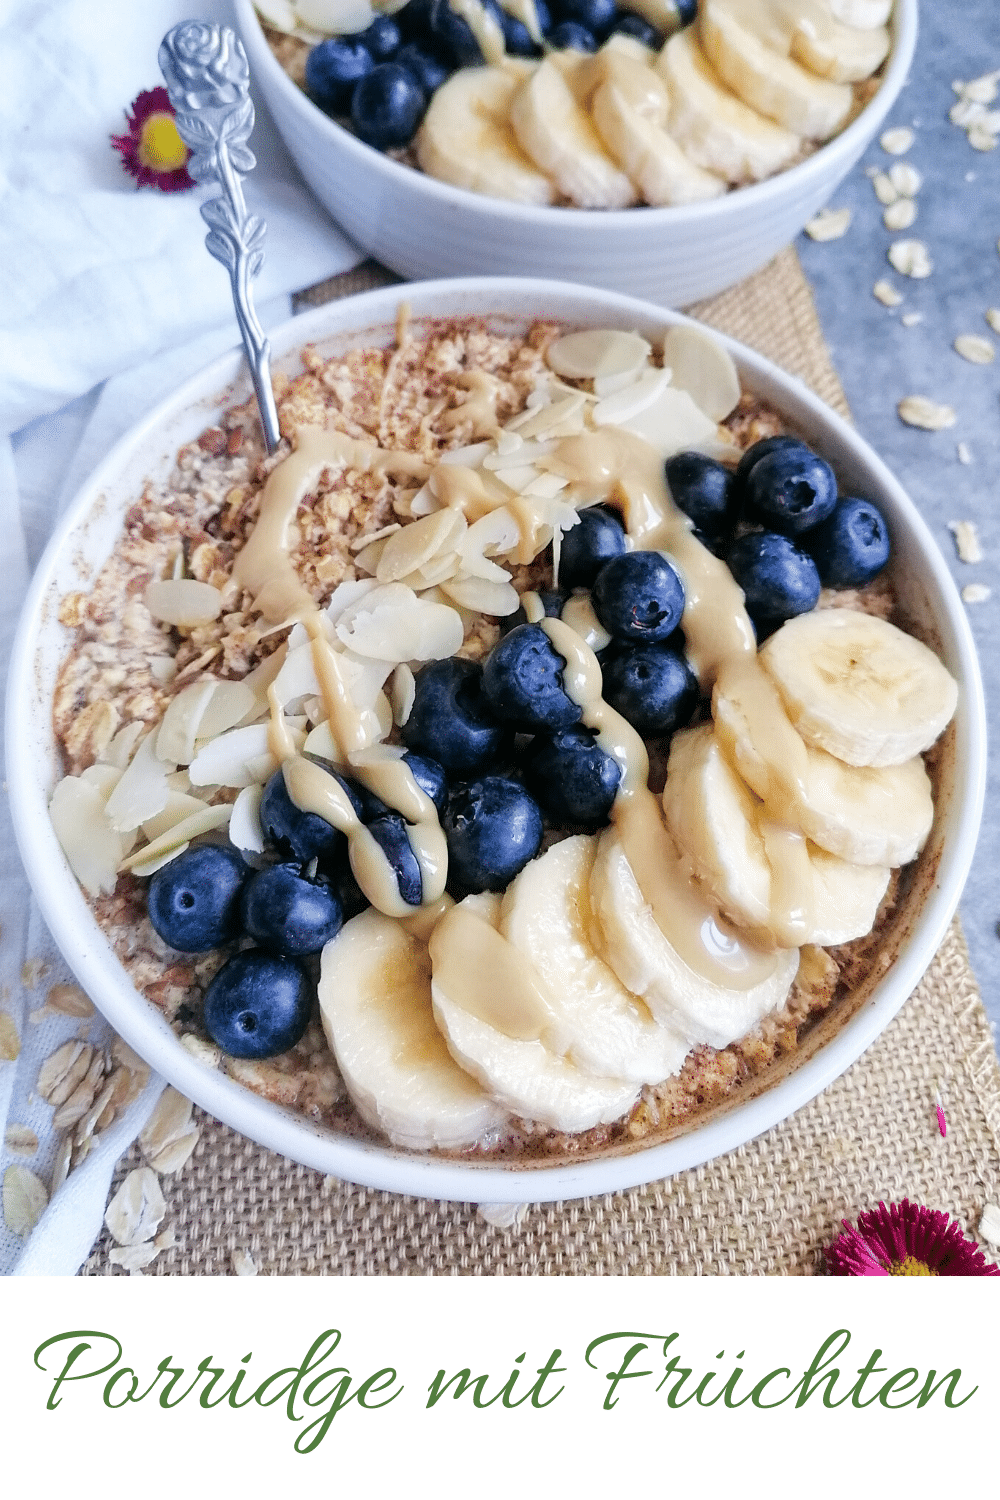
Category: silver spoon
[208,81]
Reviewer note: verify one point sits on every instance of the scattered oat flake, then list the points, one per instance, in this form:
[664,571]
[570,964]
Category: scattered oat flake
[243,1263]
[503,1215]
[134,1258]
[981,139]
[20,1139]
[905,179]
[967,543]
[981,90]
[166,1239]
[172,1156]
[976,593]
[989,1224]
[921,411]
[886,293]
[170,1119]
[24,1200]
[897,141]
[135,1211]
[976,349]
[885,191]
[992,316]
[911,319]
[61,1165]
[829,224]
[32,970]
[69,1000]
[900,215]
[963,454]
[910,258]
[10,1042]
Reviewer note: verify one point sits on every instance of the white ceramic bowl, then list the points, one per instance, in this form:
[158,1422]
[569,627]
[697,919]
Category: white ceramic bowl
[421,227]
[87,535]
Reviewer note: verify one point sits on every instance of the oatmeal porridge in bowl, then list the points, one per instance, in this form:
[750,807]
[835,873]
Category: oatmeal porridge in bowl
[549,769]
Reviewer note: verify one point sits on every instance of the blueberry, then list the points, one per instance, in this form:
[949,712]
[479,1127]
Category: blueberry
[851,546]
[704,490]
[387,106]
[304,836]
[493,828]
[456,36]
[428,68]
[517,38]
[791,490]
[640,28]
[350,895]
[450,720]
[414,20]
[391,836]
[596,538]
[288,914]
[639,597]
[194,901]
[333,68]
[569,34]
[687,10]
[429,776]
[778,579]
[652,687]
[382,39]
[257,1005]
[522,682]
[573,780]
[552,603]
[753,455]
[599,17]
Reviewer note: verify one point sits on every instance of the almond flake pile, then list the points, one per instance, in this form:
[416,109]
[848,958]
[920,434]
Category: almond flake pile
[972,114]
[910,258]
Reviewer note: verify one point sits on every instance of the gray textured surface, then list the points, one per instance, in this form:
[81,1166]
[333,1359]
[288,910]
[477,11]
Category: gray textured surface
[880,361]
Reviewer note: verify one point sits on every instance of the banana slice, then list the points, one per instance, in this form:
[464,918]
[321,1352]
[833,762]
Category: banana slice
[857,687]
[466,137]
[480,980]
[717,822]
[865,14]
[868,815]
[713,128]
[375,1004]
[558,136]
[600,1026]
[629,939]
[767,81]
[843,54]
[651,157]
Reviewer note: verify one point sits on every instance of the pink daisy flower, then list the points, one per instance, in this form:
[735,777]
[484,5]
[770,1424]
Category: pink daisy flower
[152,151]
[905,1239]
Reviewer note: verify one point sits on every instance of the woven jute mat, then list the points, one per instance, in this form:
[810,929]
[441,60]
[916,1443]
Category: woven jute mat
[766,1209]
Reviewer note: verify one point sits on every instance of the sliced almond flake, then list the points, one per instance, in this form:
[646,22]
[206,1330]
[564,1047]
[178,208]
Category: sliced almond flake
[369,557]
[974,348]
[829,224]
[989,1224]
[183,601]
[62,1070]
[528,453]
[359,542]
[229,705]
[91,846]
[320,741]
[173,1156]
[910,258]
[518,477]
[436,571]
[976,593]
[10,1042]
[911,319]
[142,791]
[245,830]
[627,403]
[206,820]
[469,457]
[206,1053]
[886,293]
[608,385]
[963,454]
[134,1258]
[162,669]
[506,442]
[180,805]
[179,727]
[415,632]
[69,1000]
[243,1263]
[223,761]
[102,778]
[885,191]
[673,423]
[20,1139]
[558,414]
[967,543]
[921,411]
[60,1167]
[700,367]
[497,599]
[475,565]
[415,545]
[402,692]
[897,140]
[135,1211]
[24,1199]
[119,751]
[596,351]
[900,215]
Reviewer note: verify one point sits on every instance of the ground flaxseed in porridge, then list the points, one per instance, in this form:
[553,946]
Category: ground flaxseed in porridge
[449,388]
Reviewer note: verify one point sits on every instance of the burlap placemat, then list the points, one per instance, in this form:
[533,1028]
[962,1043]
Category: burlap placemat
[767,1208]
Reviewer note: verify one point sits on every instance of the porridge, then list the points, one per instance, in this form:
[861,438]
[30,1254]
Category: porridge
[427,774]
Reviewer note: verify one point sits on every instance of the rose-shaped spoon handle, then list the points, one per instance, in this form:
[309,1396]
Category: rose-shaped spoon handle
[208,80]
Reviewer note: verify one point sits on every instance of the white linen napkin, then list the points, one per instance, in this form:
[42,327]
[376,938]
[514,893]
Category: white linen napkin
[100,276]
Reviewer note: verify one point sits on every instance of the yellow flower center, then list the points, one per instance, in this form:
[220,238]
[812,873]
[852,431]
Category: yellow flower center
[160,146]
[911,1267]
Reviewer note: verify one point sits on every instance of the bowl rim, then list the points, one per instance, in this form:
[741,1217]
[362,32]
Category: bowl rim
[382,1167]
[761,195]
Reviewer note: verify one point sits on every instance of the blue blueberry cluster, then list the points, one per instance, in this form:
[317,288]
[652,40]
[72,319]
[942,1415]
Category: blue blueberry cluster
[383,78]
[780,526]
